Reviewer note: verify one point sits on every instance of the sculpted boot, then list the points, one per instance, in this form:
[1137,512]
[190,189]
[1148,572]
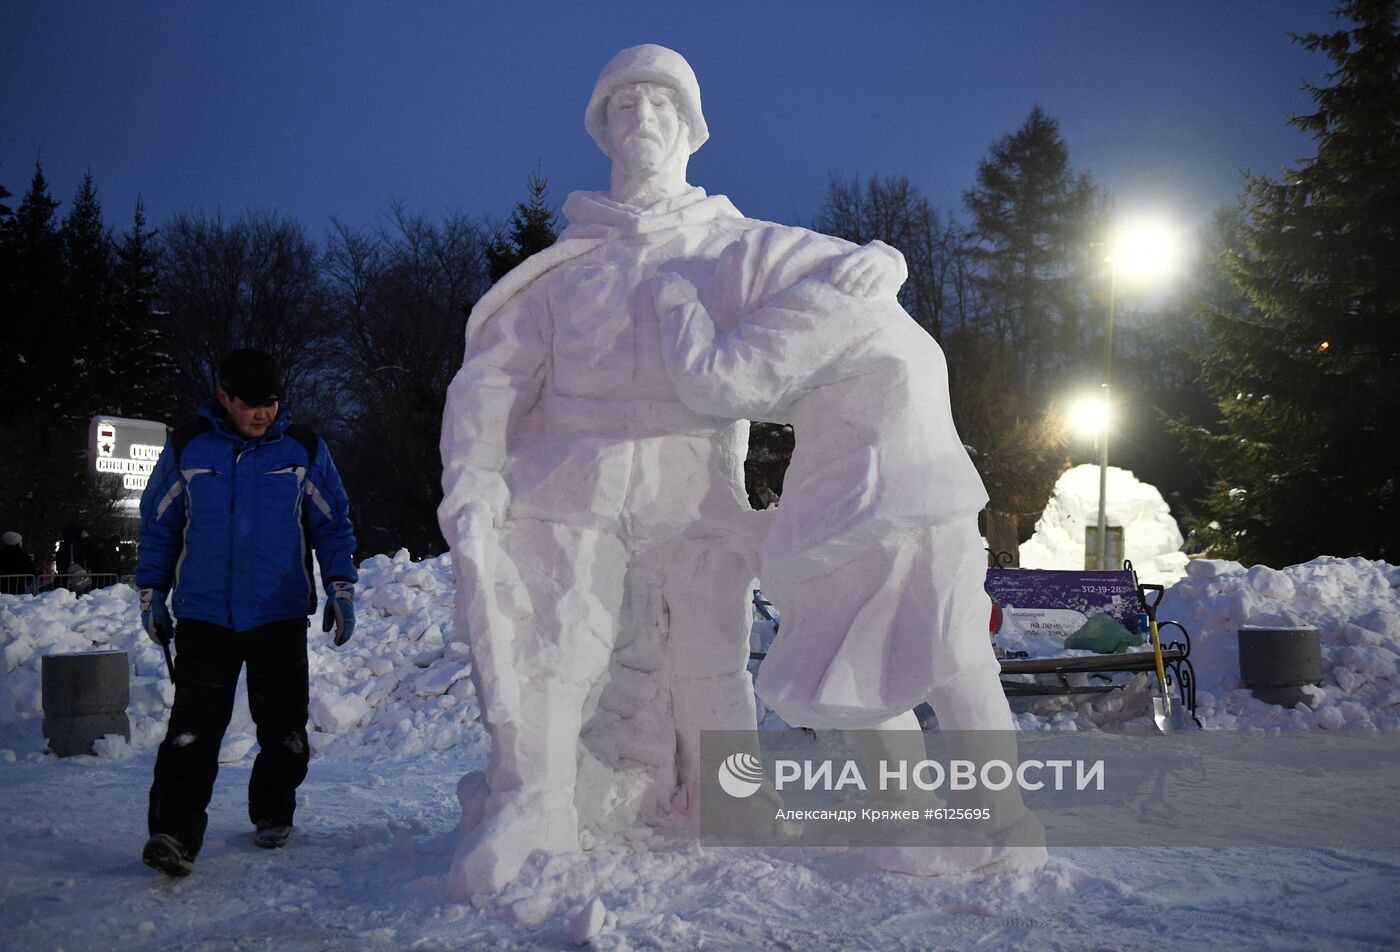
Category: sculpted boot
[975,723]
[722,703]
[530,803]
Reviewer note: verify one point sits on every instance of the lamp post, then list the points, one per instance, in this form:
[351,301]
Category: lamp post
[1141,250]
[1107,412]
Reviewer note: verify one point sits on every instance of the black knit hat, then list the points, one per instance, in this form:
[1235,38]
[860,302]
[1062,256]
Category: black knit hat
[251,375]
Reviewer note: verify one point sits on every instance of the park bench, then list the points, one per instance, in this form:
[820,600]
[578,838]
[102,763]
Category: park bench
[1018,593]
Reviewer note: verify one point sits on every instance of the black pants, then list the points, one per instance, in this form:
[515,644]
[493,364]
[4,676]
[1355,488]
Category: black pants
[208,661]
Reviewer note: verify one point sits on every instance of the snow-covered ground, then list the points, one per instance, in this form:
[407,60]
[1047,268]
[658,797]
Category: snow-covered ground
[396,725]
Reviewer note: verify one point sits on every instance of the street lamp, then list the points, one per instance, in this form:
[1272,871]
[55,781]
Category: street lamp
[1141,250]
[1088,416]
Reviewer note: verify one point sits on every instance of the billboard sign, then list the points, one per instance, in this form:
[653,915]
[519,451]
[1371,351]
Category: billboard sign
[128,449]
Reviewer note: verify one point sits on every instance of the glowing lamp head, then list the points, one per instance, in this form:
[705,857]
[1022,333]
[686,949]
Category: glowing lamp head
[1146,249]
[1088,416]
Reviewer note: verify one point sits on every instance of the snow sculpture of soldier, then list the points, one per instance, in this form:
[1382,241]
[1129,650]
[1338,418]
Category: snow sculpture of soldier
[588,509]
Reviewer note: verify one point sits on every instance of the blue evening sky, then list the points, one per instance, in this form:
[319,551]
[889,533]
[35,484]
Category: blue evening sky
[336,108]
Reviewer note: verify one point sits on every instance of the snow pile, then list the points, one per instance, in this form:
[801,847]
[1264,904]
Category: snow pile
[403,687]
[1355,605]
[59,622]
[1150,534]
[399,688]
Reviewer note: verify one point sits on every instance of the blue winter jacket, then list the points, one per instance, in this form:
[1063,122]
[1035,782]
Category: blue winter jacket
[231,523]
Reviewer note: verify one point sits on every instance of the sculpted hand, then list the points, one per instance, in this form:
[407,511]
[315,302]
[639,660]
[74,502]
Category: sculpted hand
[340,610]
[155,616]
[472,486]
[670,291]
[869,271]
[473,522]
[480,546]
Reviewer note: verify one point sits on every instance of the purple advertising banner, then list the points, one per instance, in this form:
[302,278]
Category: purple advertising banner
[1089,593]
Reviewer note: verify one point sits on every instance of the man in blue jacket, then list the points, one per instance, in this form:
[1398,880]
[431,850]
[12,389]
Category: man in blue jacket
[237,501]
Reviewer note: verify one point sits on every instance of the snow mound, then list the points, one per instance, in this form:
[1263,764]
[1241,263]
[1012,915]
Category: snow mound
[1150,534]
[1355,606]
[399,688]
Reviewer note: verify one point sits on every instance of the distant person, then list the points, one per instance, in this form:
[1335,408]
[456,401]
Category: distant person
[105,562]
[74,554]
[16,567]
[238,499]
[48,577]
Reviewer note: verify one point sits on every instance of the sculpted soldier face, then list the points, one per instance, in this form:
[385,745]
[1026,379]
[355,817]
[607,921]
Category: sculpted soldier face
[645,129]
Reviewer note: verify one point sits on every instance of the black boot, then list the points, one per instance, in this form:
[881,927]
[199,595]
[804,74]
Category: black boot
[167,854]
[271,836]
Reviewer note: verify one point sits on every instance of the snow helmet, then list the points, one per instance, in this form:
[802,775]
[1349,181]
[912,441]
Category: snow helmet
[647,63]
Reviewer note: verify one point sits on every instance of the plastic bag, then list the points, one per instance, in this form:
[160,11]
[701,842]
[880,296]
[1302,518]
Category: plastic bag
[1103,634]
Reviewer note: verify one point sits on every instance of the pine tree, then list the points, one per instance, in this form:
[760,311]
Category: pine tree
[34,224]
[48,482]
[7,267]
[1033,220]
[1304,378]
[33,359]
[150,373]
[533,228]
[95,367]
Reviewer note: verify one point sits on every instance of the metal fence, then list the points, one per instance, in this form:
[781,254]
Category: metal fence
[80,583]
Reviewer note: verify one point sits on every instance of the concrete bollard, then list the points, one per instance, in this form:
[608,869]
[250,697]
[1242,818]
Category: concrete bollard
[85,696]
[1277,663]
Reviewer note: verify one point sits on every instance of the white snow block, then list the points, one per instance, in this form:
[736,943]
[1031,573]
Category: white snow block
[586,922]
[339,713]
